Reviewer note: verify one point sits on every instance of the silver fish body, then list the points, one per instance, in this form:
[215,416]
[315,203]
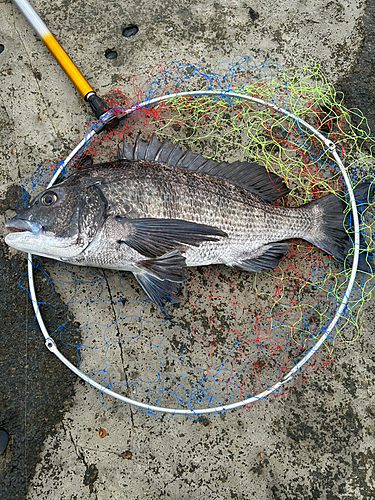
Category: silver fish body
[158,210]
[148,190]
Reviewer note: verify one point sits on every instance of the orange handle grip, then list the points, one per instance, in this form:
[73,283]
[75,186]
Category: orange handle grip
[71,70]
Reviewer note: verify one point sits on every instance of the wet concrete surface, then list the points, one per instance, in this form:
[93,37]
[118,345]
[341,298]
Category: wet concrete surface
[316,442]
[31,407]
[358,84]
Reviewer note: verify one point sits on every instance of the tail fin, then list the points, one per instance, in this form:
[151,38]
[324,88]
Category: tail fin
[333,233]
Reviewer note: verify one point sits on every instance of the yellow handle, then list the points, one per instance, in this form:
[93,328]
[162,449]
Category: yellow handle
[71,70]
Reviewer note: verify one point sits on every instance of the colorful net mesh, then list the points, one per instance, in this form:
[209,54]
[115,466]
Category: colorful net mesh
[235,334]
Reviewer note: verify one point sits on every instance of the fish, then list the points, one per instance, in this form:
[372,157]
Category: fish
[158,210]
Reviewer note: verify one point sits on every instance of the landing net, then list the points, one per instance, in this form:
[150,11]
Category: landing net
[236,337]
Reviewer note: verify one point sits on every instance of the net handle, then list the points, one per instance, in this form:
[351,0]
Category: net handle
[50,343]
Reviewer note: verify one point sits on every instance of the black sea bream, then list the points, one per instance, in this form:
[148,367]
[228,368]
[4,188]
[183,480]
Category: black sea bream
[158,210]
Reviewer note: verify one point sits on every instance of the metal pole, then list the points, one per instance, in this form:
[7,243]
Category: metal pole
[79,81]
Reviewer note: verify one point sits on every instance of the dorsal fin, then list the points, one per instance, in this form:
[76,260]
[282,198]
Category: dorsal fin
[250,176]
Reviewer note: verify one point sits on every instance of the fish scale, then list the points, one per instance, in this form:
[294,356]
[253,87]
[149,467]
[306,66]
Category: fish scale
[153,189]
[155,218]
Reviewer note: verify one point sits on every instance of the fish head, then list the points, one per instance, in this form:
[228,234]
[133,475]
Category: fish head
[59,223]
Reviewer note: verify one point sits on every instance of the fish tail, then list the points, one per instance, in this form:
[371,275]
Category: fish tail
[331,230]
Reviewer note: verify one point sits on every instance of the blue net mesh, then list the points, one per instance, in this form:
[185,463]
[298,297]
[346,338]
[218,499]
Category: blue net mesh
[235,334]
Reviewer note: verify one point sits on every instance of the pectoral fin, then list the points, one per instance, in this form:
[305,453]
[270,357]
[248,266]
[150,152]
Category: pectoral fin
[156,237]
[160,277]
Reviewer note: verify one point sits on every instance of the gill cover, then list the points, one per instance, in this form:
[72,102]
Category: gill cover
[59,223]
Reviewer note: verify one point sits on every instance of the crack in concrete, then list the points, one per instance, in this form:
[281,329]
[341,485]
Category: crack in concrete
[95,450]
[120,344]
[91,472]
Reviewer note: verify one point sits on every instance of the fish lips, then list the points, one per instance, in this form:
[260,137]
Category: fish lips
[21,230]
[21,225]
[31,237]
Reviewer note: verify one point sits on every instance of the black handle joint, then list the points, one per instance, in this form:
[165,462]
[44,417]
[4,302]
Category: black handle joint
[100,107]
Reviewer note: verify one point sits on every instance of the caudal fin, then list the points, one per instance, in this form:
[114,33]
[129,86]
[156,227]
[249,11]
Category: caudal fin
[332,232]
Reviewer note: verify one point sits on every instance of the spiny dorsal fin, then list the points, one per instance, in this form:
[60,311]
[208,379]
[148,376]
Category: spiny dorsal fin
[250,176]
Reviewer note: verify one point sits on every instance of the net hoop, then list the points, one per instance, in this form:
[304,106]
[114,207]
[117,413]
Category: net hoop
[49,341]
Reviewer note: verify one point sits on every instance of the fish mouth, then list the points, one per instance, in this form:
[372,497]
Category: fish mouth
[22,226]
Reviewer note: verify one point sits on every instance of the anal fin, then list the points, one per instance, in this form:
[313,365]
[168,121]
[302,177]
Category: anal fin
[268,258]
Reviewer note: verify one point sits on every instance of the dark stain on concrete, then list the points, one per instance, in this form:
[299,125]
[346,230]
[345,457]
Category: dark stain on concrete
[9,202]
[91,475]
[254,16]
[35,387]
[359,86]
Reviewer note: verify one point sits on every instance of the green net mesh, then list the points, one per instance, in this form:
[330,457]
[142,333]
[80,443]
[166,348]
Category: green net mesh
[235,334]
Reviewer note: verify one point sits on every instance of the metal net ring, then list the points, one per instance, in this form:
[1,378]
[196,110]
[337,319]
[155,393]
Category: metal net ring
[325,333]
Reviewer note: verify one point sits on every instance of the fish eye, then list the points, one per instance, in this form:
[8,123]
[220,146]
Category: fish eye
[48,198]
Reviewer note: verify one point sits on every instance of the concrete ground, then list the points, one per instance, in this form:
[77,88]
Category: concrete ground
[317,441]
